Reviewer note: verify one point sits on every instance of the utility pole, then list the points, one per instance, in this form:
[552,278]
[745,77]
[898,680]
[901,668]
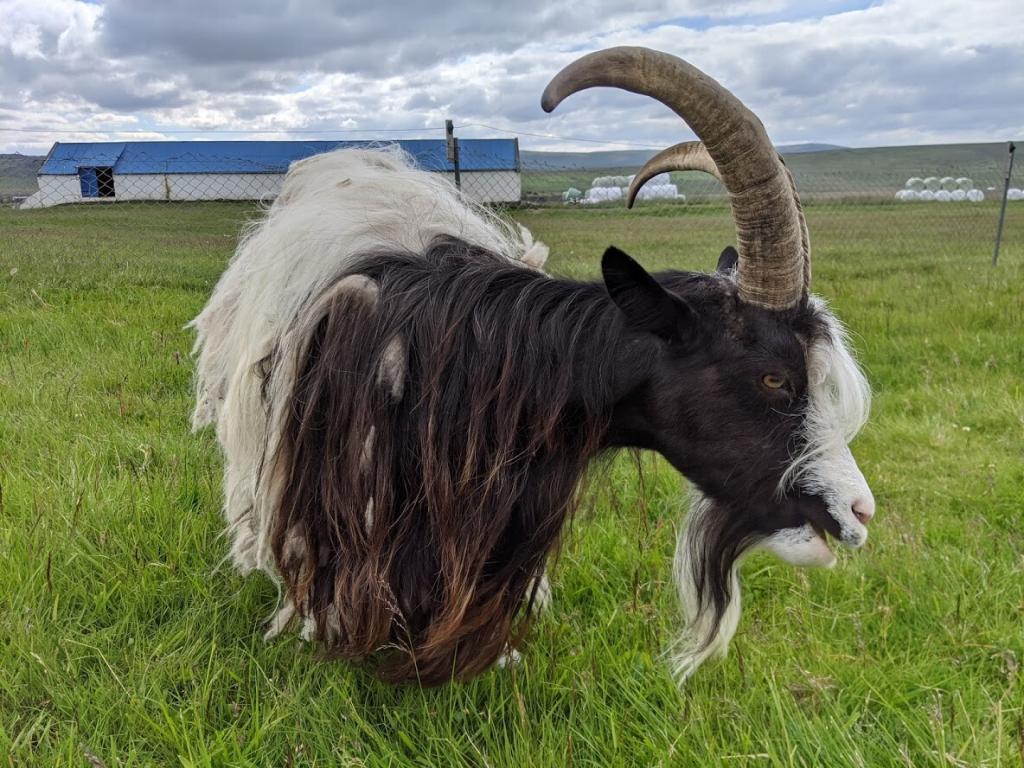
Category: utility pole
[453,150]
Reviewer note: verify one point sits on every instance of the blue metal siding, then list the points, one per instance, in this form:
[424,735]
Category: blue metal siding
[138,157]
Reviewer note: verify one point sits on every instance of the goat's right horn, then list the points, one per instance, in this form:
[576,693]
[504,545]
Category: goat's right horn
[687,156]
[770,234]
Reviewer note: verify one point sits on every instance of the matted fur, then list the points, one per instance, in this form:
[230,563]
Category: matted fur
[473,466]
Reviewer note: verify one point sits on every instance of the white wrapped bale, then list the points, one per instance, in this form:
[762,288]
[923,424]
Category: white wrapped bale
[943,196]
[659,192]
[1014,194]
[958,195]
[926,195]
[975,195]
[965,184]
[915,184]
[948,183]
[932,184]
[602,195]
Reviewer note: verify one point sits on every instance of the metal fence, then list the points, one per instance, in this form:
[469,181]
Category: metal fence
[954,197]
[135,171]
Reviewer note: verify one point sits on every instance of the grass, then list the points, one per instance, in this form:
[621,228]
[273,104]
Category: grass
[125,642]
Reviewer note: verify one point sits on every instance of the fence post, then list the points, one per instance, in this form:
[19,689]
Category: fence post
[453,150]
[1002,210]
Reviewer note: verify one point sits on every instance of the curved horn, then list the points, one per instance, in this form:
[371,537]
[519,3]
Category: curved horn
[769,234]
[687,156]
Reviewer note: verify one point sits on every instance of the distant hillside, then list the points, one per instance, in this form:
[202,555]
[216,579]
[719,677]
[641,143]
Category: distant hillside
[560,161]
[18,175]
[820,170]
[796,149]
[880,170]
[548,161]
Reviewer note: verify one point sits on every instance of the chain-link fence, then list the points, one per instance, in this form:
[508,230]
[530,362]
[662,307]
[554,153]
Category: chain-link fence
[94,172]
[948,195]
[910,193]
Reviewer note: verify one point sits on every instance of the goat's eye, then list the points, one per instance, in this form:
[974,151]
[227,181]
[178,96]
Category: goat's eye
[773,381]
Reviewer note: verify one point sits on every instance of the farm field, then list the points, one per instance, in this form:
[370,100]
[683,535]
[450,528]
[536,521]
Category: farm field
[126,641]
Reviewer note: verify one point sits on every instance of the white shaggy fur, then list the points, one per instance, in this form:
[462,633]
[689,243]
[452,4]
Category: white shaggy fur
[391,372]
[536,253]
[838,407]
[280,283]
[696,644]
[800,546]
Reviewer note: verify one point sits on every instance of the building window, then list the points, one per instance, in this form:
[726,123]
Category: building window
[96,182]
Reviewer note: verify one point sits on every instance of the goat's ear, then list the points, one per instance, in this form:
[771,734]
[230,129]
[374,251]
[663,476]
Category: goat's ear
[727,261]
[646,305]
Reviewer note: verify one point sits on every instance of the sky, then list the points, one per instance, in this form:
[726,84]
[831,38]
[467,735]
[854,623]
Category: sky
[847,72]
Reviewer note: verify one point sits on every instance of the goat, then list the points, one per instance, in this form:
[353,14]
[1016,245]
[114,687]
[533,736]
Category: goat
[407,403]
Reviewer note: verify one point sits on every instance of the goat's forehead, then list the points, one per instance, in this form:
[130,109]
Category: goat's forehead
[715,295]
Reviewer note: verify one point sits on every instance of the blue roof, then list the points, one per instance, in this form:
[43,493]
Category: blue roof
[262,156]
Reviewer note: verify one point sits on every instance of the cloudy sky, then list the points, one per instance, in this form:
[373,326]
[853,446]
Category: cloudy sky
[850,72]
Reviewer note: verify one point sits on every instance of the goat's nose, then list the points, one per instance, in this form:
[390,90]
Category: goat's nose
[863,508]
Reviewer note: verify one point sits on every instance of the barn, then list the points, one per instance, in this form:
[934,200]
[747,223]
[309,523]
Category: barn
[489,169]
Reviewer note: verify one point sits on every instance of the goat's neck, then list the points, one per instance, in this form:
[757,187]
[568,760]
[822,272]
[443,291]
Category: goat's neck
[611,369]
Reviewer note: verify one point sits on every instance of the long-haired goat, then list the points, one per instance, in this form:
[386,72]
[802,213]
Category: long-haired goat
[406,403]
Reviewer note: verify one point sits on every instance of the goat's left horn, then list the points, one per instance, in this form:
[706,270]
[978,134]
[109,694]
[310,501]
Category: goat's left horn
[687,156]
[774,264]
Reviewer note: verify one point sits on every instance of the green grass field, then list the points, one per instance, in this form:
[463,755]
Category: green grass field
[125,641]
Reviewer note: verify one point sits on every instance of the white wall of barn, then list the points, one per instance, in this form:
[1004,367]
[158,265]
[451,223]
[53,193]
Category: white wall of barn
[54,190]
[197,186]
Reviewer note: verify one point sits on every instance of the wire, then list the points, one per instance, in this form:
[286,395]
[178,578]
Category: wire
[286,131]
[221,130]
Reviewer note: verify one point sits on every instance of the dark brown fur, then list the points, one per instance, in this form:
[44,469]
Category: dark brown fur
[473,471]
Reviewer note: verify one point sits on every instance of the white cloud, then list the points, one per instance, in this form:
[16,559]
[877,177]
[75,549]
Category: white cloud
[898,71]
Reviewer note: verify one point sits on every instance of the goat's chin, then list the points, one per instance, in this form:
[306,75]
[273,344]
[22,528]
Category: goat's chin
[802,546]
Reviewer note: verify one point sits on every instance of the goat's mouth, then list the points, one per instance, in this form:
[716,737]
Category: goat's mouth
[815,512]
[821,517]
[819,530]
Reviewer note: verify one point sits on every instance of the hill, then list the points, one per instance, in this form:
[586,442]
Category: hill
[547,161]
[18,175]
[820,170]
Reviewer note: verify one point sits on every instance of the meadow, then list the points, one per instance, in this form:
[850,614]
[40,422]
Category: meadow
[126,641]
